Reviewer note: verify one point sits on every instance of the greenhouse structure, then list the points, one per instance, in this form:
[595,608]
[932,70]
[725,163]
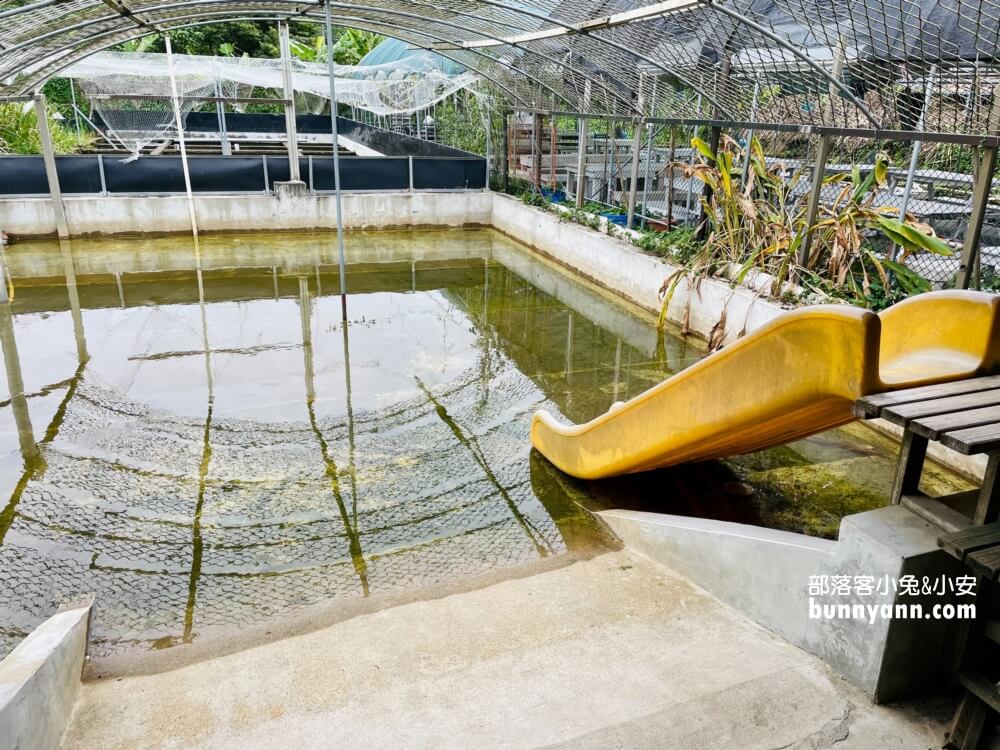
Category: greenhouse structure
[512,373]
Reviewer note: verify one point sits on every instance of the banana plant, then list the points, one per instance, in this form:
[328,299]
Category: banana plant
[758,224]
[842,250]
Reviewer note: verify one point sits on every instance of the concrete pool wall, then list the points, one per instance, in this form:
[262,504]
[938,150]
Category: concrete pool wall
[607,261]
[773,578]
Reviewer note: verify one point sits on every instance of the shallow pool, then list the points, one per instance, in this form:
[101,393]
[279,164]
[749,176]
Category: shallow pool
[195,435]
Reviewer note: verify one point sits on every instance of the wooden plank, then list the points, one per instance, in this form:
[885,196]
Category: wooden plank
[983,439]
[903,413]
[932,427]
[909,467]
[982,688]
[988,504]
[985,562]
[967,727]
[961,543]
[870,406]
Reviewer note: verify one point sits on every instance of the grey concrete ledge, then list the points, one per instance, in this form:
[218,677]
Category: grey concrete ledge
[628,272]
[40,680]
[159,214]
[766,574]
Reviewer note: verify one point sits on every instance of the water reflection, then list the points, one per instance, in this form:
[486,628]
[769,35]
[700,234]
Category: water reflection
[192,499]
[221,450]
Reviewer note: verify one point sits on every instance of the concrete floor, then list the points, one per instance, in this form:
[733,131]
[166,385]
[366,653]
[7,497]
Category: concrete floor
[612,652]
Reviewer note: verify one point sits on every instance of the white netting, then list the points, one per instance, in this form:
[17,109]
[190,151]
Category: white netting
[411,84]
[136,123]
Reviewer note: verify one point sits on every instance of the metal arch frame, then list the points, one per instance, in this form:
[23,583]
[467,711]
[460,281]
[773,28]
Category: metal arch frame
[494,3]
[307,12]
[611,43]
[832,79]
[448,24]
[273,15]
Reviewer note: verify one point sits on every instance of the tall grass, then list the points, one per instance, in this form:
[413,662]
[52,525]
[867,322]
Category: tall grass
[19,131]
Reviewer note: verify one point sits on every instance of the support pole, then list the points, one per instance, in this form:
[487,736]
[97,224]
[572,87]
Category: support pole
[48,156]
[536,148]
[289,94]
[649,160]
[973,234]
[220,114]
[76,111]
[670,179]
[715,135]
[690,180]
[553,156]
[633,184]
[180,137]
[331,75]
[915,152]
[750,133]
[489,144]
[815,194]
[582,127]
[581,161]
[506,152]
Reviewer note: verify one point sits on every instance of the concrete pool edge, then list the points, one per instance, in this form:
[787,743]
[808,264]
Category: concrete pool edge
[167,214]
[765,574]
[40,680]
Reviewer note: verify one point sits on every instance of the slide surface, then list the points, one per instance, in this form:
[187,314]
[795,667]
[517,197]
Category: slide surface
[796,376]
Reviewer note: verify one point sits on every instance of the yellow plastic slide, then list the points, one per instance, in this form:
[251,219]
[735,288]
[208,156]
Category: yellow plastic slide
[794,377]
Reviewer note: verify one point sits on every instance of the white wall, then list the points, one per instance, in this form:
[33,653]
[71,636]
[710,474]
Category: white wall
[162,214]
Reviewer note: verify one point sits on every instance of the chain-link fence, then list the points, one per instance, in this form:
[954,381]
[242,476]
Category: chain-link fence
[928,184]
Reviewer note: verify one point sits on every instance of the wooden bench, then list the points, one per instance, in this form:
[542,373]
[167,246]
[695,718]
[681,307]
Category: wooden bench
[963,415]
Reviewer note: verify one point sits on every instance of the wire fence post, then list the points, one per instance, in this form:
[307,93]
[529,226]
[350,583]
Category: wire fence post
[669,193]
[645,179]
[915,153]
[980,199]
[815,195]
[750,133]
[633,184]
[51,174]
[974,232]
[690,180]
[536,150]
[582,135]
[506,152]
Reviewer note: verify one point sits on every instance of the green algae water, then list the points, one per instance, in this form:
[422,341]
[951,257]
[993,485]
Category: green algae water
[193,433]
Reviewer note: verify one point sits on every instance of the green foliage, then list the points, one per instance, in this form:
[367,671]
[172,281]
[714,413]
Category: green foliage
[349,46]
[531,198]
[755,226]
[679,245]
[19,131]
[460,123]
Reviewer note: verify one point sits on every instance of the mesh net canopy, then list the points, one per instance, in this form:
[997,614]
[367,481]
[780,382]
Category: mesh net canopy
[836,63]
[411,83]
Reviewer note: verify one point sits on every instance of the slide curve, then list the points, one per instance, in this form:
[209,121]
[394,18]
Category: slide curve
[798,375]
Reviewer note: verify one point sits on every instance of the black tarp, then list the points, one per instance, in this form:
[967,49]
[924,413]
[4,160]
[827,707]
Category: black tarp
[25,175]
[449,174]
